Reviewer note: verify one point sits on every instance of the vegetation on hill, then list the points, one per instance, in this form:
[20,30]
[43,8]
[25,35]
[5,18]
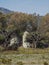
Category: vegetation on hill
[38,25]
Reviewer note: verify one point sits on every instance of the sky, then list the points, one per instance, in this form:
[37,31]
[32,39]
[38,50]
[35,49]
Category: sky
[27,6]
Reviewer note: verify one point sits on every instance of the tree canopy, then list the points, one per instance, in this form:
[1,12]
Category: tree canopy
[38,25]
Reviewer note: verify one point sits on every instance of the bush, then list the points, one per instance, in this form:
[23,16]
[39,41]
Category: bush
[1,37]
[1,48]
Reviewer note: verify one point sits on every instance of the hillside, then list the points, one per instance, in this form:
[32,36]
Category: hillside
[14,25]
[4,10]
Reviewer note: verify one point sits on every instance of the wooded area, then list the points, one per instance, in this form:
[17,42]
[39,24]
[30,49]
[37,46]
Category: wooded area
[17,22]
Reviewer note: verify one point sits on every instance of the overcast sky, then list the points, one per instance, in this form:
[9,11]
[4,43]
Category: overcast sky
[28,6]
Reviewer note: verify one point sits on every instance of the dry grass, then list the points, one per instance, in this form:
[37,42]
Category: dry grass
[27,56]
[22,50]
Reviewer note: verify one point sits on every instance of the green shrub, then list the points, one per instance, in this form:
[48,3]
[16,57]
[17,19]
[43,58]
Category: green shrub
[1,37]
[1,48]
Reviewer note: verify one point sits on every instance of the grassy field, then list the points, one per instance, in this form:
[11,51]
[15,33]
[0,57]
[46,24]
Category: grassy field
[25,57]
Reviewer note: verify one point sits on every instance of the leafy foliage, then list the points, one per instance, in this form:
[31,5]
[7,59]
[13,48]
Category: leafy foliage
[38,25]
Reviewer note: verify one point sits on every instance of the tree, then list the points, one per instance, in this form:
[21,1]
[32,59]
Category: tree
[41,35]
